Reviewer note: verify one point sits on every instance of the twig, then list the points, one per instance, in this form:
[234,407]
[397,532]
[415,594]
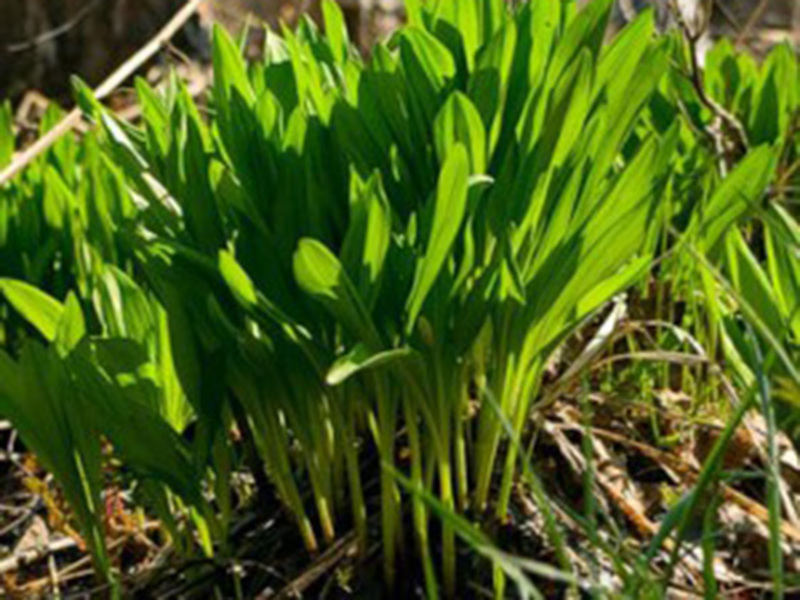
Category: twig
[628,10]
[678,358]
[62,29]
[17,561]
[24,511]
[127,69]
[680,467]
[71,571]
[727,134]
[325,563]
[68,573]
[726,13]
[754,17]
[55,582]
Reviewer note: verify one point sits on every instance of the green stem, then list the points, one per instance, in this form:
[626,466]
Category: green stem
[338,449]
[490,431]
[385,429]
[448,534]
[446,478]
[418,504]
[282,473]
[462,475]
[520,418]
[324,508]
[346,424]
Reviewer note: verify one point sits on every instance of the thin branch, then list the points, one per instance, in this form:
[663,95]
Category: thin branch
[56,32]
[727,133]
[17,561]
[726,13]
[334,555]
[752,21]
[127,69]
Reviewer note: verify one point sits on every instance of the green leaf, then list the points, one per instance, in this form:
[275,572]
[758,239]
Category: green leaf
[121,409]
[230,71]
[336,30]
[461,20]
[38,308]
[585,32]
[434,59]
[738,193]
[237,280]
[361,359]
[367,240]
[72,326]
[460,123]
[448,213]
[752,283]
[7,141]
[39,396]
[122,306]
[321,275]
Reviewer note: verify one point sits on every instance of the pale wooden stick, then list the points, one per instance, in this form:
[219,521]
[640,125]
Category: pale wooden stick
[128,68]
[16,561]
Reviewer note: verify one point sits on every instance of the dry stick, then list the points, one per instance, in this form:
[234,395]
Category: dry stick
[719,136]
[680,467]
[637,518]
[62,29]
[17,561]
[68,573]
[128,68]
[752,20]
[332,556]
[728,15]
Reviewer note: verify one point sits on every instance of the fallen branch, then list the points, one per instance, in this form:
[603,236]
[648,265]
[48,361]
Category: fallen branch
[57,32]
[334,555]
[19,560]
[752,21]
[750,506]
[128,68]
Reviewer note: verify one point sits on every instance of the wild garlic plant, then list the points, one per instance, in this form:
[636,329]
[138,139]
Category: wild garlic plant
[343,253]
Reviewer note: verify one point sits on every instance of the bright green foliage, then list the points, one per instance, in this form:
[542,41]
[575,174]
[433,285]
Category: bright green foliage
[399,227]
[37,393]
[348,246]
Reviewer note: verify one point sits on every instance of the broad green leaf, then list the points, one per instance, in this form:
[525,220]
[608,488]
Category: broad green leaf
[143,439]
[434,59]
[237,280]
[336,30]
[585,32]
[39,396]
[738,193]
[367,240]
[459,123]
[461,20]
[448,213]
[752,283]
[320,274]
[41,310]
[489,85]
[72,326]
[122,306]
[230,72]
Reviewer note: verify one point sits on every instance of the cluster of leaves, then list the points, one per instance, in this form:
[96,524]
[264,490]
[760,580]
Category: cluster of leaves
[348,248]
[748,272]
